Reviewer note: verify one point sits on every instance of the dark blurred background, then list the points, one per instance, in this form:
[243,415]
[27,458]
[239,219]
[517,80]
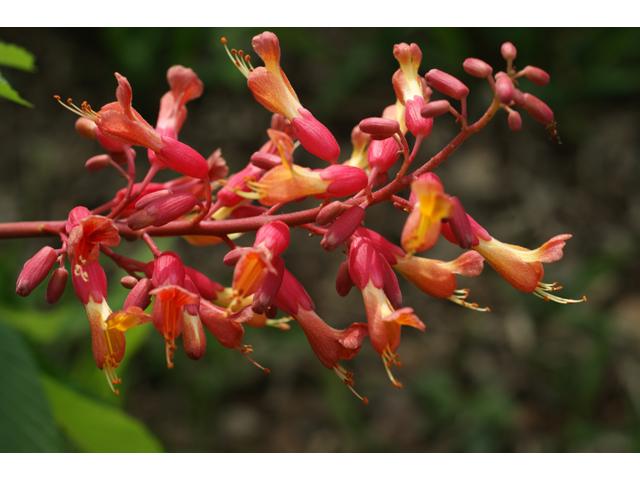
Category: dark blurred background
[529,376]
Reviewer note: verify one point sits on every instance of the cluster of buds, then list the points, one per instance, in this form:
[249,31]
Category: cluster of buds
[208,206]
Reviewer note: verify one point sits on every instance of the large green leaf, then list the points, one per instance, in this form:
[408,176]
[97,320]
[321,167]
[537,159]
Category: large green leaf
[10,94]
[16,57]
[94,426]
[26,424]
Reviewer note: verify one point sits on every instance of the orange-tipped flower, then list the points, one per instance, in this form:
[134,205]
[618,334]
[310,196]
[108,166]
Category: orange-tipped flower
[107,344]
[519,266]
[280,184]
[385,322]
[270,86]
[430,206]
[119,121]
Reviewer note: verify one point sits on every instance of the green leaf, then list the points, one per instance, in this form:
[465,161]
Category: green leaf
[97,427]
[46,326]
[10,94]
[25,414]
[16,57]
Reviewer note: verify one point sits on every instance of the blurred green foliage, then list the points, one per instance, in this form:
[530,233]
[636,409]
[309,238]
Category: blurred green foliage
[14,57]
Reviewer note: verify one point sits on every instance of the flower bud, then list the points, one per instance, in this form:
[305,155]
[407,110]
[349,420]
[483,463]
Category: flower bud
[139,295]
[536,75]
[538,109]
[85,127]
[383,154]
[379,128]
[477,68]
[345,225]
[504,88]
[447,84]
[149,198]
[329,213]
[162,211]
[391,286]
[56,285]
[344,284]
[97,163]
[35,270]
[515,121]
[435,109]
[508,51]
[460,225]
[128,282]
[266,161]
[268,289]
[518,97]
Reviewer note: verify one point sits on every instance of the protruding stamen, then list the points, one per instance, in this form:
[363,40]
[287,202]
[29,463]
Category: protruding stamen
[459,297]
[543,290]
[281,323]
[244,350]
[236,57]
[389,358]
[84,110]
[345,376]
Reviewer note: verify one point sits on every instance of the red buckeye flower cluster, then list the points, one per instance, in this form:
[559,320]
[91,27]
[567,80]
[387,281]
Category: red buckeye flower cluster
[207,206]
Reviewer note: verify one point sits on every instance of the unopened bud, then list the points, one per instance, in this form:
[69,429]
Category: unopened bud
[536,75]
[460,225]
[85,127]
[329,213]
[344,226]
[379,128]
[35,270]
[56,285]
[477,68]
[97,163]
[266,161]
[447,84]
[504,88]
[518,97]
[538,109]
[139,295]
[162,211]
[268,289]
[383,154]
[149,198]
[128,282]
[508,51]
[515,121]
[344,284]
[391,286]
[435,109]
